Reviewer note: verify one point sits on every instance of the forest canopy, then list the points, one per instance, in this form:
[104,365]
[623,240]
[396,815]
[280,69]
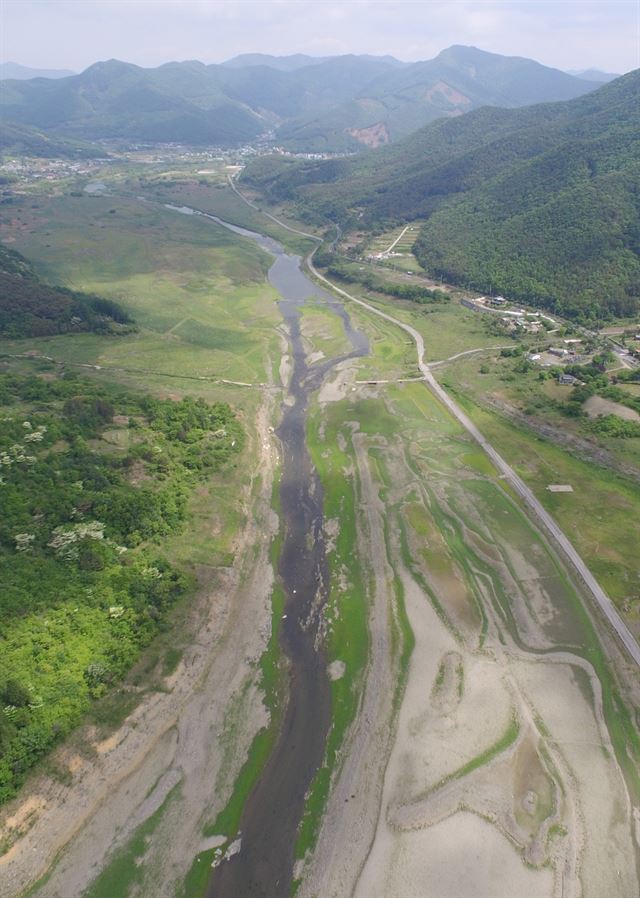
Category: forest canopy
[92,479]
[31,308]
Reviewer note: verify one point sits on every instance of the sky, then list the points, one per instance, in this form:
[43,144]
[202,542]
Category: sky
[72,34]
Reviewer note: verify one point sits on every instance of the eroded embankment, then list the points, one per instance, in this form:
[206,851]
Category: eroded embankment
[263,865]
[153,767]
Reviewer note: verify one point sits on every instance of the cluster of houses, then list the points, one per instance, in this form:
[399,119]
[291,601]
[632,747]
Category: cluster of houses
[513,319]
[568,353]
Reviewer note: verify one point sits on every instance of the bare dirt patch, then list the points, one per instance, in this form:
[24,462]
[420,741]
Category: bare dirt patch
[596,406]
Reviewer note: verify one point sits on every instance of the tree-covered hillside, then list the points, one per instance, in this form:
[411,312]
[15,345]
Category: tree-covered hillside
[187,102]
[30,308]
[331,102]
[403,99]
[91,478]
[541,203]
[23,140]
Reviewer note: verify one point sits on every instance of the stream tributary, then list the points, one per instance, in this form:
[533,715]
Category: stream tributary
[263,867]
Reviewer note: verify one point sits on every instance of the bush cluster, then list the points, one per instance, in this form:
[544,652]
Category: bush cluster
[85,586]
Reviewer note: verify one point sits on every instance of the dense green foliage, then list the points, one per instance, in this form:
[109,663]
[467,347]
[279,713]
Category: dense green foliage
[23,140]
[593,381]
[541,204]
[406,98]
[615,426]
[320,104]
[30,308]
[188,102]
[412,292]
[91,480]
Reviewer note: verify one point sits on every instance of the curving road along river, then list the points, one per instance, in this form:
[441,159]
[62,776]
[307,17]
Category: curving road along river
[550,526]
[264,865]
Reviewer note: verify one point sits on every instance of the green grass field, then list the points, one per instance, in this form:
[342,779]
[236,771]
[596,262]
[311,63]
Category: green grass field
[323,331]
[219,199]
[597,516]
[447,328]
[197,291]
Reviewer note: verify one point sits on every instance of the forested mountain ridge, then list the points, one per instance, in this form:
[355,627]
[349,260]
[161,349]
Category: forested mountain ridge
[187,102]
[457,81]
[31,308]
[594,75]
[24,72]
[542,203]
[296,61]
[23,140]
[337,103]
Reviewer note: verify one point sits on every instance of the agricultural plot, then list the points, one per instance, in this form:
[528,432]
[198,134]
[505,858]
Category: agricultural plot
[395,247]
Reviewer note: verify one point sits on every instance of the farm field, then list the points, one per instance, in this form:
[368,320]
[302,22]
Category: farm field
[395,248]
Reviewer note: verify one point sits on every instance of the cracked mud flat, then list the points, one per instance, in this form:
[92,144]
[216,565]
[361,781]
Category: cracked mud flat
[497,776]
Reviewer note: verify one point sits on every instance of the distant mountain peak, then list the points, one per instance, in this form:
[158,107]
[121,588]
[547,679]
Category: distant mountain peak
[593,75]
[332,103]
[24,73]
[296,61]
[111,67]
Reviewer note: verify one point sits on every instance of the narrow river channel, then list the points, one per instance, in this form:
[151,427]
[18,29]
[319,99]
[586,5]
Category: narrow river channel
[263,867]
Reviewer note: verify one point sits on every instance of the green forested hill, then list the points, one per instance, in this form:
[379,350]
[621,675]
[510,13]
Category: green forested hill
[92,479]
[188,102]
[331,102]
[30,308]
[401,100]
[23,140]
[541,203]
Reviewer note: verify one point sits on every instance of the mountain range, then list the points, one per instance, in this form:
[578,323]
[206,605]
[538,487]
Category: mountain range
[402,100]
[541,203]
[24,72]
[594,75]
[335,104]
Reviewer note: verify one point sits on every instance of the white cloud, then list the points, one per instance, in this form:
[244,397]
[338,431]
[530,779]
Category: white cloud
[564,33]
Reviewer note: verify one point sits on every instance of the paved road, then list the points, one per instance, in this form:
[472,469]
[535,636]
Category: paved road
[272,217]
[553,530]
[535,507]
[397,240]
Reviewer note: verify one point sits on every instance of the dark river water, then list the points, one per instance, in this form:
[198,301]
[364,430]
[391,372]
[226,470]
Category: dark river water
[263,868]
